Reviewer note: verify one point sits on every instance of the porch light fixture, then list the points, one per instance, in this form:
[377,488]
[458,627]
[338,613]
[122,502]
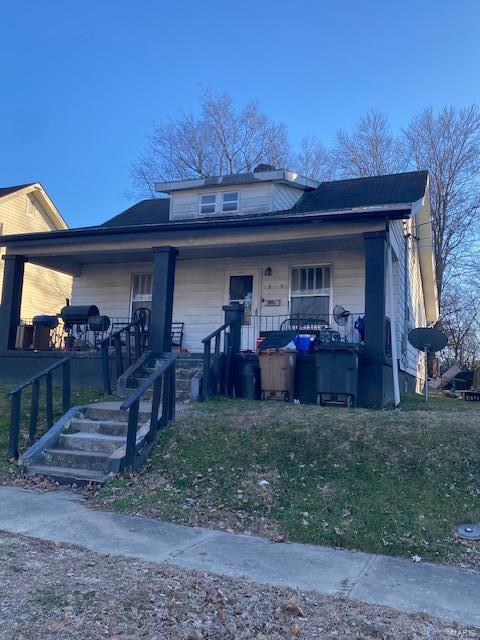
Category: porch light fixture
[268,271]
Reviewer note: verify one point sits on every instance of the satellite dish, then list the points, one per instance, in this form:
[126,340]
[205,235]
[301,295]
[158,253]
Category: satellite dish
[427,339]
[340,315]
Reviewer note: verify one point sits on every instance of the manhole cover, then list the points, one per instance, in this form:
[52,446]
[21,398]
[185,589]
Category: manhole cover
[468,531]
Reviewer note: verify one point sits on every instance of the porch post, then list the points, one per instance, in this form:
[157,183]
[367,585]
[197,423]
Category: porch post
[234,313]
[13,272]
[373,378]
[163,283]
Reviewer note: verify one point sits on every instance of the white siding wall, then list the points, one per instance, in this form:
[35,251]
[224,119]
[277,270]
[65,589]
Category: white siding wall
[409,297]
[284,197]
[200,287]
[254,198]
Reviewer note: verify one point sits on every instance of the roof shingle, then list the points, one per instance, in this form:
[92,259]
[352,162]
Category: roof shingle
[6,191]
[154,211]
[397,188]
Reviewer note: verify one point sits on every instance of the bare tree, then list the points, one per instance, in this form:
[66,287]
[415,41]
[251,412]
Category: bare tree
[461,322]
[370,149]
[221,140]
[448,145]
[313,159]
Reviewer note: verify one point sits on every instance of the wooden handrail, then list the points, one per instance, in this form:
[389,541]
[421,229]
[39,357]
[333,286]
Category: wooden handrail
[217,332]
[162,379]
[217,376]
[145,386]
[34,381]
[116,336]
[39,375]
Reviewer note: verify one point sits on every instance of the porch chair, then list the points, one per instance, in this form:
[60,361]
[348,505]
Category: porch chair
[177,334]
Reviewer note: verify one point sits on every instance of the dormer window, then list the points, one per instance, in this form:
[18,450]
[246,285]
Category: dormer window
[230,201]
[208,203]
[223,202]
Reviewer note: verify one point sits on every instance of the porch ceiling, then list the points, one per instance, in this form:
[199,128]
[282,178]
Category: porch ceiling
[72,263]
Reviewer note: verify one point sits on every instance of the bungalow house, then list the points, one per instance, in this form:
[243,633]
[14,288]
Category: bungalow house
[280,243]
[27,208]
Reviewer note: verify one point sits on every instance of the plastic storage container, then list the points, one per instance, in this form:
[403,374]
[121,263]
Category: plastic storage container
[302,342]
[277,373]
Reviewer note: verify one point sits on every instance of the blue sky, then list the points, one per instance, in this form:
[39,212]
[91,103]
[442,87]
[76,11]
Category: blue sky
[82,83]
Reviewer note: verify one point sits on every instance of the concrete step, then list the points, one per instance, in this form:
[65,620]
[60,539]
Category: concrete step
[67,475]
[89,460]
[110,414]
[148,395]
[104,427]
[88,441]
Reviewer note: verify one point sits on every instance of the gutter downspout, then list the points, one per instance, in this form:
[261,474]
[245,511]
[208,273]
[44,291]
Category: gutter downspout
[393,325]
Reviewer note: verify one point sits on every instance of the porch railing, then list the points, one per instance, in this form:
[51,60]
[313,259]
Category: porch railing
[217,365]
[255,326]
[162,381]
[126,341]
[34,382]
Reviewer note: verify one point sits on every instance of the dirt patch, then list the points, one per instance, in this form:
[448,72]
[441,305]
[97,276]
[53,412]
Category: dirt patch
[52,591]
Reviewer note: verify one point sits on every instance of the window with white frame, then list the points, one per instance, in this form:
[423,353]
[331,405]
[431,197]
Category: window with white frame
[208,203]
[230,201]
[223,202]
[141,291]
[310,292]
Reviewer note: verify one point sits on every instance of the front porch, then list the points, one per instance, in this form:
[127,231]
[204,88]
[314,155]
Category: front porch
[304,274]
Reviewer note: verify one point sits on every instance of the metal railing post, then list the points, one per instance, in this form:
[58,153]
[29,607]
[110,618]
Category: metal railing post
[16,403]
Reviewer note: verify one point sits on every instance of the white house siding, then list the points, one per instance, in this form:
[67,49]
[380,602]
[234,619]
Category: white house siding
[254,198]
[284,197]
[410,303]
[200,287]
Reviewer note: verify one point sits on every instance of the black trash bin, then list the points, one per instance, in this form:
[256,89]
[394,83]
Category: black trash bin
[247,378]
[337,375]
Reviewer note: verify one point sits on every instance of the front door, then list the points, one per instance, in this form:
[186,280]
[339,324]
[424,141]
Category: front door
[243,286]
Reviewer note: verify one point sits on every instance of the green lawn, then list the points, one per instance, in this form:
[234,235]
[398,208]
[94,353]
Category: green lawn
[387,482]
[7,467]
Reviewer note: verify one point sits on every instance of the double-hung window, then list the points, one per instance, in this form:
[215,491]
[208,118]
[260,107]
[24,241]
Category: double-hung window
[222,202]
[141,291]
[230,201]
[208,203]
[310,292]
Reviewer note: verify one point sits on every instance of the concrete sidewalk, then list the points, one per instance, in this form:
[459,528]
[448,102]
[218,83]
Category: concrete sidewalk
[438,590]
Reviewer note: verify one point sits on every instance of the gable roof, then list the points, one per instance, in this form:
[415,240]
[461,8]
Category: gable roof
[35,190]
[397,188]
[6,191]
[152,211]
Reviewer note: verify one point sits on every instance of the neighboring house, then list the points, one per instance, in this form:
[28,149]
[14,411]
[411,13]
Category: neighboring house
[27,208]
[280,243]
